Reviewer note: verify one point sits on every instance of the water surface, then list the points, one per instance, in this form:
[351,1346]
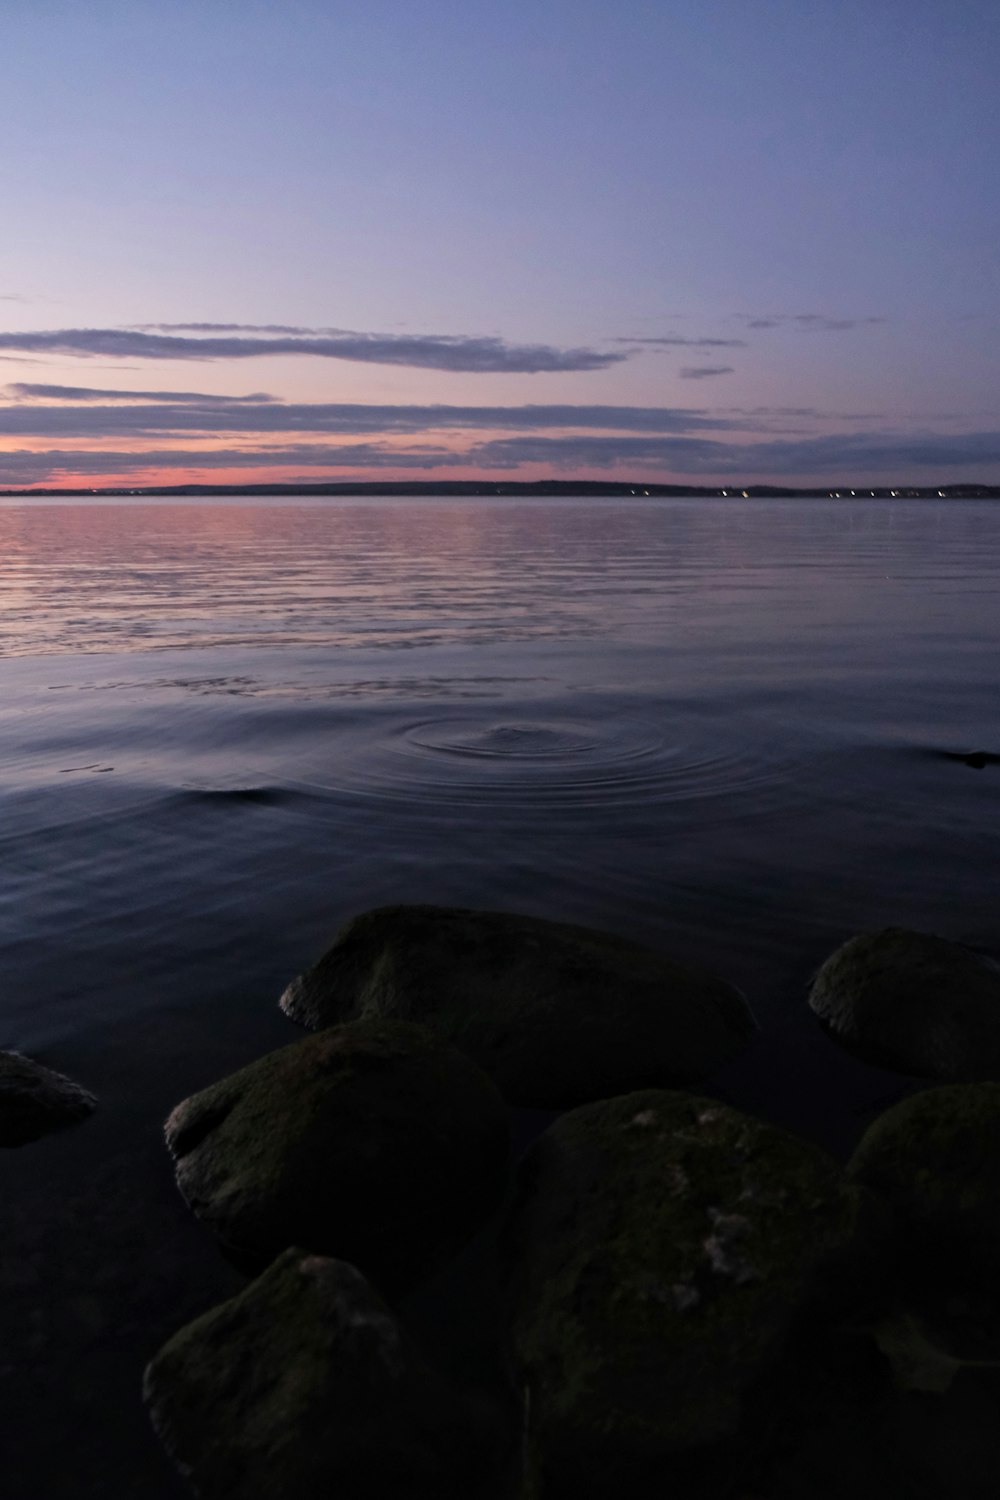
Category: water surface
[728,729]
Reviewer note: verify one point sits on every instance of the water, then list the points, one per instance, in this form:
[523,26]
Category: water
[722,728]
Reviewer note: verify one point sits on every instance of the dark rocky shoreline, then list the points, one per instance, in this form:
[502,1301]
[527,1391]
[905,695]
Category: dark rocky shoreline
[664,1290]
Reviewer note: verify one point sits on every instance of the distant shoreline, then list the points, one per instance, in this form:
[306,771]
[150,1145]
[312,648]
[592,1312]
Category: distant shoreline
[546,487]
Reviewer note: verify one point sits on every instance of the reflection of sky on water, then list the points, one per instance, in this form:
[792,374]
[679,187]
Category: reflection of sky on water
[403,573]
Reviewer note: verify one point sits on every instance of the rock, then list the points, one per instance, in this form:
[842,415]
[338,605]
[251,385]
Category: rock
[913,1002]
[34,1100]
[375,1142]
[663,1250]
[305,1385]
[934,1158]
[557,1015]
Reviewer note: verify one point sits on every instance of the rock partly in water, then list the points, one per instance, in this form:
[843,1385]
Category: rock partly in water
[306,1386]
[913,1002]
[558,1015]
[34,1100]
[375,1142]
[665,1252]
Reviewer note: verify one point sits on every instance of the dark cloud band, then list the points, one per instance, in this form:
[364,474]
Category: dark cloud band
[180,412]
[468,355]
[22,390]
[858,455]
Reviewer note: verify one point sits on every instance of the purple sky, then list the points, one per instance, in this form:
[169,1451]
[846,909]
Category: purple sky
[674,240]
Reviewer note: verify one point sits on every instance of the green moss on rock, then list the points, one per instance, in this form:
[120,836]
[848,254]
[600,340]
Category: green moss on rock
[375,1142]
[935,1159]
[914,1002]
[662,1247]
[306,1386]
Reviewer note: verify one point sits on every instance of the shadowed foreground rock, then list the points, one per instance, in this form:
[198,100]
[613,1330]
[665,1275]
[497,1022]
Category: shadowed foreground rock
[304,1387]
[556,1014]
[375,1142]
[34,1100]
[935,1159]
[914,1002]
[662,1250]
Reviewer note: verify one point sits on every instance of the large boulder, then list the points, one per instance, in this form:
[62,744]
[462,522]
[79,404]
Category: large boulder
[665,1251]
[304,1387]
[557,1015]
[934,1158]
[35,1100]
[913,1002]
[375,1142]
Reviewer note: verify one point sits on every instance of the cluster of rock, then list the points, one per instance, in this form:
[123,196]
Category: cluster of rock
[696,1302]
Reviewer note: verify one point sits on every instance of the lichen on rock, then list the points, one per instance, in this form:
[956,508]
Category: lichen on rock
[662,1249]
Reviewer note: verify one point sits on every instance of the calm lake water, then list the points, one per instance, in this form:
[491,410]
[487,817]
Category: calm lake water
[721,727]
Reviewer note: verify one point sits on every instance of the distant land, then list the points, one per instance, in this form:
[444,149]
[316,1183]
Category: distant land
[553,487]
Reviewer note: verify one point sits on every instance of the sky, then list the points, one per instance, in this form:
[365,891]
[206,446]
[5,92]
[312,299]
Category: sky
[676,241]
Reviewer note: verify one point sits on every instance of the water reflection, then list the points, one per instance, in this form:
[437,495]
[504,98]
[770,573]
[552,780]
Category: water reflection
[398,573]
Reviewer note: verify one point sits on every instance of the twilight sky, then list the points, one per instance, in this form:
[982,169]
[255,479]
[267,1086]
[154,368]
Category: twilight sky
[676,240]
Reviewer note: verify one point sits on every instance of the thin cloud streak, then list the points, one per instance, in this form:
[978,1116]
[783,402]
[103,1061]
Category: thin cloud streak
[31,391]
[68,465]
[842,453]
[82,419]
[818,322]
[462,353]
[703,372]
[675,341]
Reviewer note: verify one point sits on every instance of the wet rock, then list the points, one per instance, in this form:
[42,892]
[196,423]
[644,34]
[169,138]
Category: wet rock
[664,1252]
[977,759]
[934,1158]
[34,1100]
[375,1142]
[305,1385]
[556,1014]
[913,1002]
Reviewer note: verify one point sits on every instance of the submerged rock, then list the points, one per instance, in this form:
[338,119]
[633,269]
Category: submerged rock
[305,1387]
[662,1250]
[35,1100]
[375,1142]
[914,1002]
[556,1014]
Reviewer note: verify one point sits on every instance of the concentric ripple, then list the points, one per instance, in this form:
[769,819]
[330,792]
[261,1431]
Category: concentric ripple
[516,741]
[611,759]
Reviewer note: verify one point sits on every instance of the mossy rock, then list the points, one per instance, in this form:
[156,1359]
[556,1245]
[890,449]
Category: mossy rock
[375,1142]
[913,1002]
[35,1100]
[934,1158]
[663,1248]
[306,1386]
[557,1015]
